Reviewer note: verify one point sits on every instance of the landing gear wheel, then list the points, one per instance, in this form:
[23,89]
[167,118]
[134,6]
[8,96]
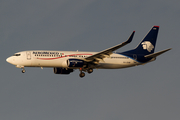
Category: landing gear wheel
[90,70]
[23,71]
[82,74]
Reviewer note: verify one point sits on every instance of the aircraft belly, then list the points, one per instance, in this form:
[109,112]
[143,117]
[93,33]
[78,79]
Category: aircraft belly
[109,66]
[116,64]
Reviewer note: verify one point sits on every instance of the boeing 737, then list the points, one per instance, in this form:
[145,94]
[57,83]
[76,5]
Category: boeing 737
[65,62]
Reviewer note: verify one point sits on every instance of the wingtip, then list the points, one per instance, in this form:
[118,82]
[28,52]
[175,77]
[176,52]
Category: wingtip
[168,49]
[131,37]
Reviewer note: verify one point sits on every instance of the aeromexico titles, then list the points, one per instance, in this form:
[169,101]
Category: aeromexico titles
[65,62]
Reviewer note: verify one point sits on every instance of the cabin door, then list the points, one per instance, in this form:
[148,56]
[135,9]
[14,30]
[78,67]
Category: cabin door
[28,54]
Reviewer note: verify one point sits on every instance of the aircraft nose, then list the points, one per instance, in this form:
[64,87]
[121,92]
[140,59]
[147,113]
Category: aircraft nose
[9,59]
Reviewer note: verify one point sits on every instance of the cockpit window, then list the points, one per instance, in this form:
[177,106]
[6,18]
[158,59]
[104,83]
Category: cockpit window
[17,54]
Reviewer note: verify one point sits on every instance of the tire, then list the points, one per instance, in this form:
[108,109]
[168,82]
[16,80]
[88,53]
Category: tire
[23,71]
[82,74]
[90,70]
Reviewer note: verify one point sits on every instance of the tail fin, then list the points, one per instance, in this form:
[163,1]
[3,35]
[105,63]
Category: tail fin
[144,52]
[147,45]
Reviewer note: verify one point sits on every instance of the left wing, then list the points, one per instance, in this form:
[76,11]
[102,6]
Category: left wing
[109,51]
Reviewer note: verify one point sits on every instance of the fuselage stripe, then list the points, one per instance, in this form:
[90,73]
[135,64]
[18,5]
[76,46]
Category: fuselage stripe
[61,56]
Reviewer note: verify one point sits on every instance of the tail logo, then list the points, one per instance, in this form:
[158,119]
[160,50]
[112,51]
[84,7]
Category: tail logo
[147,46]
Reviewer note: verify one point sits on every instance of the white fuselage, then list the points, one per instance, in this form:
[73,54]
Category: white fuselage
[41,58]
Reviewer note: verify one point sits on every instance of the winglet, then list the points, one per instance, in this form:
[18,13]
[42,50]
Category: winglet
[130,38]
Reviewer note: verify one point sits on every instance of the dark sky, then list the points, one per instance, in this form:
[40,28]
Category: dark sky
[147,92]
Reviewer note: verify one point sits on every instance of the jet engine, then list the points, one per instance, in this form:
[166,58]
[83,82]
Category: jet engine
[62,71]
[73,63]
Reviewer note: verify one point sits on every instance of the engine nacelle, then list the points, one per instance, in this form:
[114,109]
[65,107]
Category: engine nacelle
[62,71]
[73,63]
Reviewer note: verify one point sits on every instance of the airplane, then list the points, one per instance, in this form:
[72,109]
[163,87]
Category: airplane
[65,62]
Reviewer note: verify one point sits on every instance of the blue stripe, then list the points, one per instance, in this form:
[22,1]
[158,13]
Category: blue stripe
[130,58]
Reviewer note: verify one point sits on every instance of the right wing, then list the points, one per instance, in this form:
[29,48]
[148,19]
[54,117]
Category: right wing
[109,51]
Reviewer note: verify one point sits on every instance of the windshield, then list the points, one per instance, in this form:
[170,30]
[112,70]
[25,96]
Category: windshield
[16,54]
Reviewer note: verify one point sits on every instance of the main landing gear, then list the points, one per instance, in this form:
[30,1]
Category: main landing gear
[82,74]
[90,70]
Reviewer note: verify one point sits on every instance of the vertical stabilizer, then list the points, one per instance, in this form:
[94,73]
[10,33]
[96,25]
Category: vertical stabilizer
[147,45]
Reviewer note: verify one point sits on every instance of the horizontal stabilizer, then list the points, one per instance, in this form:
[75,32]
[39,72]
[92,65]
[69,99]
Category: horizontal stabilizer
[153,55]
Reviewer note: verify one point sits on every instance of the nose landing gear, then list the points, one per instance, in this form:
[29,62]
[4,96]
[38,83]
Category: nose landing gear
[22,67]
[23,70]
